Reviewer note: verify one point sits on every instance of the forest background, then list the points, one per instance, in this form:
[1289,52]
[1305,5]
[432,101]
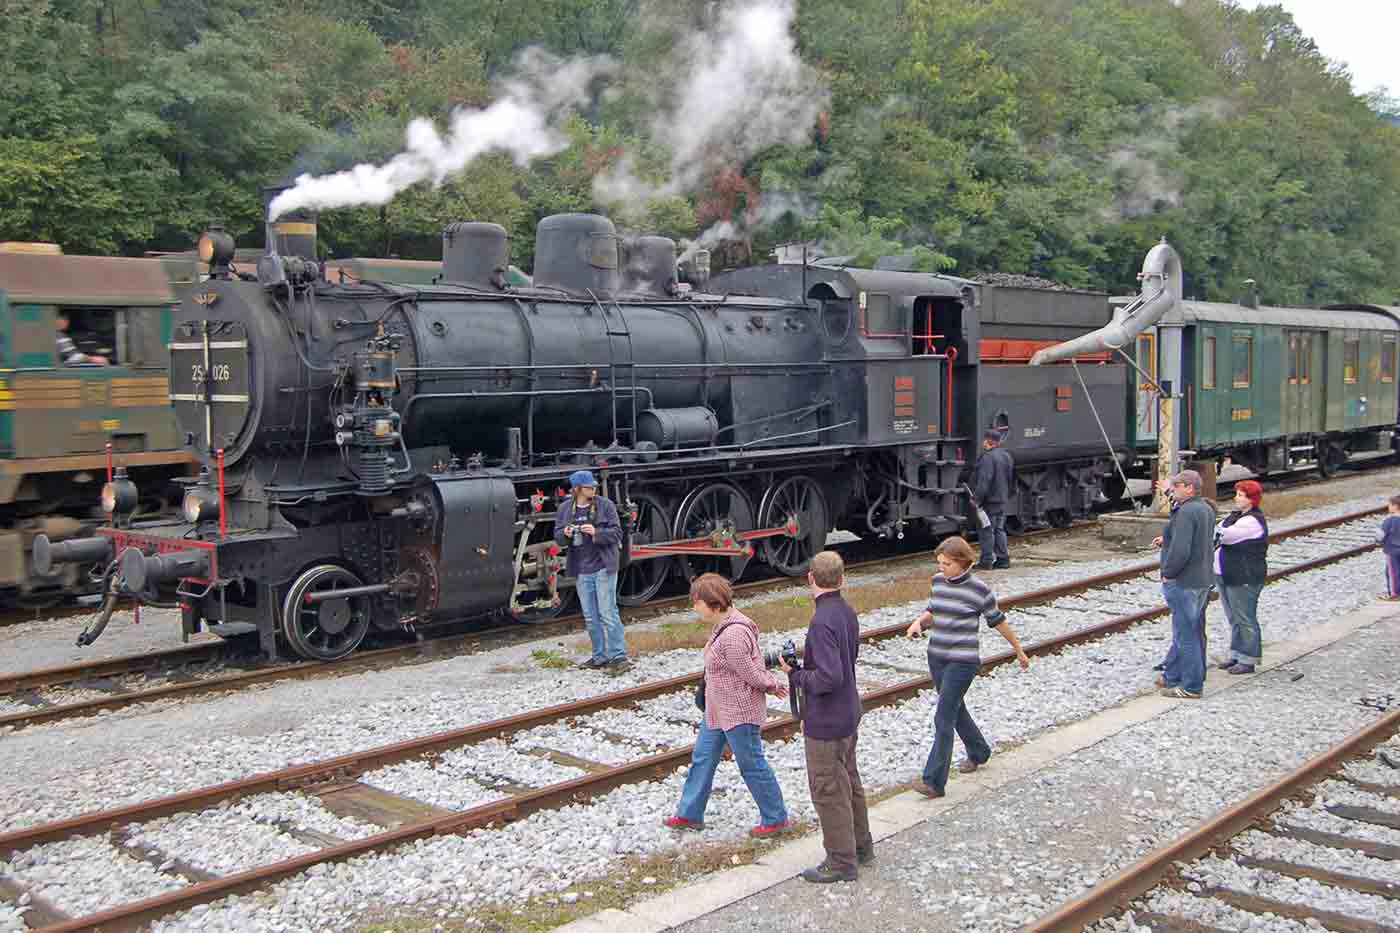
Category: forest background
[1058,138]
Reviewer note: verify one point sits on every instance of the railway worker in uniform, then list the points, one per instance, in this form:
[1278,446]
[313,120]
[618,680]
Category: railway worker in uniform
[1241,564]
[736,685]
[1187,559]
[588,525]
[68,351]
[1389,537]
[992,484]
[957,601]
[830,704]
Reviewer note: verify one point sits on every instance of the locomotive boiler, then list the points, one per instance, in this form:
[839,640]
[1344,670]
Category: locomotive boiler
[385,456]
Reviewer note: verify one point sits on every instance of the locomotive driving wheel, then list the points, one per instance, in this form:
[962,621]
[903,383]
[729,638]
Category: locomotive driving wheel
[716,511]
[326,627]
[640,579]
[798,497]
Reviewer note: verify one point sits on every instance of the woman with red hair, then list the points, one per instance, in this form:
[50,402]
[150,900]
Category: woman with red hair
[1241,565]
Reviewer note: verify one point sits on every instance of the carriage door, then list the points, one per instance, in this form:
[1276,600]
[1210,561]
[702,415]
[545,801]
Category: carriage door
[1146,403]
[1302,395]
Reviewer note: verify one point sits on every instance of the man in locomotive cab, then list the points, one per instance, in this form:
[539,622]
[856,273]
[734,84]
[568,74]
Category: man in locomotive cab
[68,351]
[588,525]
[992,485]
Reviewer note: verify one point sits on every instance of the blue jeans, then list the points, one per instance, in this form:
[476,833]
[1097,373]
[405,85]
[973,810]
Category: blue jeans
[952,679]
[1241,604]
[597,592]
[992,540]
[1186,661]
[747,744]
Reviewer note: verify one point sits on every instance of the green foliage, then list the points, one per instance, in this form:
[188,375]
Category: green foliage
[1054,137]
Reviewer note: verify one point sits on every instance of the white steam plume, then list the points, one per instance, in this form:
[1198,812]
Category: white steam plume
[1142,164]
[772,207]
[519,123]
[743,88]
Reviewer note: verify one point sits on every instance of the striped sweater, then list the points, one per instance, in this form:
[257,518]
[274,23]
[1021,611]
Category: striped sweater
[955,604]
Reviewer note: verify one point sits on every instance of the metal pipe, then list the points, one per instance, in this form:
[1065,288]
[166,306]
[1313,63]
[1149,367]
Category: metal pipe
[1161,291]
[223,513]
[350,592]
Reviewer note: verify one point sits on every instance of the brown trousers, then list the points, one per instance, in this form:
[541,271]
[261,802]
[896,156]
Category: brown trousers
[839,798]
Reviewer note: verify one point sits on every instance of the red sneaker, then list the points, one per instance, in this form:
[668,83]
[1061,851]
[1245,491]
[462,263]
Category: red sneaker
[767,832]
[680,822]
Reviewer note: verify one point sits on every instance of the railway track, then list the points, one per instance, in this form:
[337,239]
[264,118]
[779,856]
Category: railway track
[1233,863]
[190,671]
[533,761]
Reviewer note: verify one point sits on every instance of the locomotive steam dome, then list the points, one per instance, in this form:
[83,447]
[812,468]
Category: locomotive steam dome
[577,253]
[475,253]
[651,266]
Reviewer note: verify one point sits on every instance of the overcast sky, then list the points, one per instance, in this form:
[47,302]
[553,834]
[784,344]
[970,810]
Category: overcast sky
[1362,34]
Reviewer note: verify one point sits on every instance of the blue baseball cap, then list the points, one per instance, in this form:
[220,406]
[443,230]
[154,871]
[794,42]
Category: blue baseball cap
[582,478]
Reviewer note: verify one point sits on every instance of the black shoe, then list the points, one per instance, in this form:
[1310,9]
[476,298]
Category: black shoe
[1159,667]
[985,566]
[619,666]
[865,856]
[592,664]
[1238,668]
[1002,565]
[1225,665]
[825,874]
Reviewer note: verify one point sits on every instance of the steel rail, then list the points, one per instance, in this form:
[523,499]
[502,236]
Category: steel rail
[205,652]
[133,915]
[1142,876]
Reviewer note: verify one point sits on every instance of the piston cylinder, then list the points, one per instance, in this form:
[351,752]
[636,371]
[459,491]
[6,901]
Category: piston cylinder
[671,428]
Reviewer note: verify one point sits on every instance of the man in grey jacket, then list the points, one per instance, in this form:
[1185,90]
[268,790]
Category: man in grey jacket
[1187,548]
[993,479]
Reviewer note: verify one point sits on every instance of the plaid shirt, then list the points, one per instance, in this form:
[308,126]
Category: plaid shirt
[735,679]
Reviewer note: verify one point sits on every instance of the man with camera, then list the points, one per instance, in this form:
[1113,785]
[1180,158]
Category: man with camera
[588,526]
[830,710]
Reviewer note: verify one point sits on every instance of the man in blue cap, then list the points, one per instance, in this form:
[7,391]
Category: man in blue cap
[588,526]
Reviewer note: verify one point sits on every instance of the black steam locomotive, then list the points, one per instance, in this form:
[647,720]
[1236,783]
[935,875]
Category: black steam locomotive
[387,456]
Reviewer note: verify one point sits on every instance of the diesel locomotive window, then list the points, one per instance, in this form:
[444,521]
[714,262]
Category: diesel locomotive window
[1242,359]
[1208,363]
[1388,359]
[93,329]
[1351,360]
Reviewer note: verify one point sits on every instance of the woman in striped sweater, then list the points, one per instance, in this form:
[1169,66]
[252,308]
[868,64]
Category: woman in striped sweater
[957,601]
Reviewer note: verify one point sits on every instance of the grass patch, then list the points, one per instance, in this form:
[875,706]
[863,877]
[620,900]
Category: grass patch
[549,658]
[628,883]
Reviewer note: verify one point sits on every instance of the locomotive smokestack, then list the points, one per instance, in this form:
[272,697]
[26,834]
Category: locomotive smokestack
[1161,290]
[293,233]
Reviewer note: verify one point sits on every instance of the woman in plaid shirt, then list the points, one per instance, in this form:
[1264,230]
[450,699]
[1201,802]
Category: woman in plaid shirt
[736,683]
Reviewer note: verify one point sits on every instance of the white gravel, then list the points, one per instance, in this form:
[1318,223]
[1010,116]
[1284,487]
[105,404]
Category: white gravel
[580,741]
[1347,861]
[1011,706]
[1372,771]
[1318,818]
[83,876]
[1340,793]
[219,841]
[1303,893]
[421,781]
[12,917]
[1206,911]
[655,729]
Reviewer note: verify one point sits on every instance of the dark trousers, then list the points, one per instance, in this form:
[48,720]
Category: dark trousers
[839,798]
[1392,574]
[952,679]
[992,539]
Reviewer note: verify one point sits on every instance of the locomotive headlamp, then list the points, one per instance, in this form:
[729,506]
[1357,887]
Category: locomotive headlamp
[119,497]
[215,248]
[201,505]
[383,427]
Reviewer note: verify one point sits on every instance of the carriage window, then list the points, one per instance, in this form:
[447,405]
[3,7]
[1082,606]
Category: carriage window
[1208,363]
[1388,359]
[1351,360]
[1293,361]
[1243,360]
[1305,360]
